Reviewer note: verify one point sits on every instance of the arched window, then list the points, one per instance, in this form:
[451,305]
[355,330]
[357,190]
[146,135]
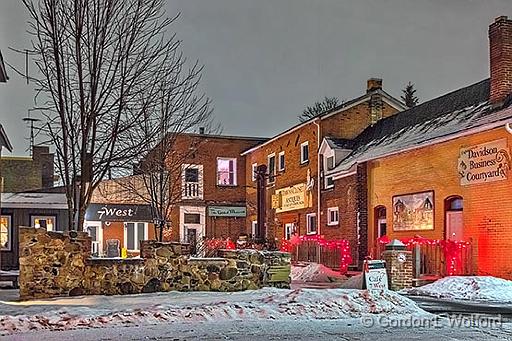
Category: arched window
[454,219]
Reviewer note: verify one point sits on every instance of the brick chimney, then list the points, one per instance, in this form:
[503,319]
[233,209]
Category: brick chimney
[500,45]
[373,84]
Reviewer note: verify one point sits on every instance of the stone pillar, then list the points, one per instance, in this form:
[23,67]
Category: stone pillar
[398,265]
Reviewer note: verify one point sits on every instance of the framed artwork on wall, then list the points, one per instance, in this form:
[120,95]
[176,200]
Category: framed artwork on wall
[413,212]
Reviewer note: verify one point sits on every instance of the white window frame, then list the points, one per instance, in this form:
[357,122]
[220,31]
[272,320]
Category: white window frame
[254,225]
[9,233]
[200,228]
[327,162]
[272,177]
[199,168]
[44,217]
[302,145]
[135,234]
[308,225]
[99,234]
[281,165]
[327,185]
[331,222]
[235,171]
[254,168]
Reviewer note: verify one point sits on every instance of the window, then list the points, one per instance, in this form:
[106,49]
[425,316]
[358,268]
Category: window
[192,218]
[5,233]
[192,177]
[46,222]
[254,226]
[329,182]
[304,152]
[226,172]
[311,223]
[333,217]
[133,234]
[289,230]
[254,169]
[329,162]
[271,167]
[281,161]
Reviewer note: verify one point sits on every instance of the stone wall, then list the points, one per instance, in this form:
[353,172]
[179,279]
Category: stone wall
[57,264]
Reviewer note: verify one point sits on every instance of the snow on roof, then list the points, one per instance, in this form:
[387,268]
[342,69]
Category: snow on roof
[34,200]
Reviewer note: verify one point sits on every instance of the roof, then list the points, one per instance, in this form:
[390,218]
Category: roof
[34,200]
[4,140]
[3,73]
[230,137]
[461,111]
[342,107]
[336,143]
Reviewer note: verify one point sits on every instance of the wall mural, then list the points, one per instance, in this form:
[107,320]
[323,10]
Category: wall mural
[413,212]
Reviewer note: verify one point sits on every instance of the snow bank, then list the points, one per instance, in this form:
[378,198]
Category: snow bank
[314,272]
[267,304]
[475,288]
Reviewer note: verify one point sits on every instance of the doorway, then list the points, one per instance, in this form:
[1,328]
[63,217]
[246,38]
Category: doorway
[95,231]
[454,219]
[289,229]
[381,222]
[191,238]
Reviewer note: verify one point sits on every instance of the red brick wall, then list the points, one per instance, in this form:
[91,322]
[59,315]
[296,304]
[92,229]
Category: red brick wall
[500,39]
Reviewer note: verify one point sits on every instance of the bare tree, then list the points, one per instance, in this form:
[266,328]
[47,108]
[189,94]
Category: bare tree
[101,63]
[318,108]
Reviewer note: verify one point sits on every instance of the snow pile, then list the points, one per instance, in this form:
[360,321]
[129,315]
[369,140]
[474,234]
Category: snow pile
[314,272]
[474,288]
[267,304]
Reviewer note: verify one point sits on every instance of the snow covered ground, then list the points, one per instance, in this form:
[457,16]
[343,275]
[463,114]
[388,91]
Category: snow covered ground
[201,307]
[314,272]
[474,288]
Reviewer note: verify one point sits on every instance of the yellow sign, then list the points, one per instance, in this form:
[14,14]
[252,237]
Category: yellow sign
[292,198]
[276,201]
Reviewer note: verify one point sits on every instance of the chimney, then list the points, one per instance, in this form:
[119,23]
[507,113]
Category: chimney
[500,46]
[373,84]
[201,130]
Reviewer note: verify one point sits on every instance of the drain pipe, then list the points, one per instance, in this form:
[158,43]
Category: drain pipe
[318,227]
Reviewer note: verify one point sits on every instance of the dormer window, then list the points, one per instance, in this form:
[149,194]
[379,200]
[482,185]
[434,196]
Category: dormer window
[329,162]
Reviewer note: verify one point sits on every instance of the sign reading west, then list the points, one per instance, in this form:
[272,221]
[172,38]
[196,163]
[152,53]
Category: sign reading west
[484,162]
[114,212]
[227,211]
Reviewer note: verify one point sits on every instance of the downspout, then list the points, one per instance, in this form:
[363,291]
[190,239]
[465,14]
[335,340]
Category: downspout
[318,177]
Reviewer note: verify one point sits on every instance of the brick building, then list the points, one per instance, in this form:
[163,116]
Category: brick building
[28,173]
[296,170]
[441,171]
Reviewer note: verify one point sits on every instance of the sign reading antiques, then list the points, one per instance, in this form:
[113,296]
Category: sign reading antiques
[114,212]
[290,198]
[227,211]
[484,162]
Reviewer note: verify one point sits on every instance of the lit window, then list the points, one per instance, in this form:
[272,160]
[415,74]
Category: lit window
[226,172]
[254,170]
[304,152]
[133,234]
[281,161]
[311,223]
[329,182]
[192,218]
[5,233]
[271,167]
[46,222]
[333,216]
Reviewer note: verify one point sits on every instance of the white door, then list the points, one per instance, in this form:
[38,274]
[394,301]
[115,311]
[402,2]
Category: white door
[95,230]
[454,225]
[288,230]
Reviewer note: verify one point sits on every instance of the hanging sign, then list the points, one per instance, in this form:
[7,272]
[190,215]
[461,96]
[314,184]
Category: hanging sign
[292,198]
[118,212]
[375,275]
[485,162]
[227,211]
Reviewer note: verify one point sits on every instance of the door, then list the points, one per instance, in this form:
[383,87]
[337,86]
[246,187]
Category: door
[288,230]
[381,227]
[192,239]
[96,233]
[454,225]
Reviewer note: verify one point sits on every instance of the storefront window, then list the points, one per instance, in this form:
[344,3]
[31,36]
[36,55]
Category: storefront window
[47,222]
[5,233]
[133,234]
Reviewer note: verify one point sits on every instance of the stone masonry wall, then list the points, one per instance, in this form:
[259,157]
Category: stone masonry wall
[55,264]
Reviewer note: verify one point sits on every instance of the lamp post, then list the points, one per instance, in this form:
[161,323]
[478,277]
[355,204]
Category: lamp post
[261,181]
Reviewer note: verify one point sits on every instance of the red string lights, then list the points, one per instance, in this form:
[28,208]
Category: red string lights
[337,244]
[452,250]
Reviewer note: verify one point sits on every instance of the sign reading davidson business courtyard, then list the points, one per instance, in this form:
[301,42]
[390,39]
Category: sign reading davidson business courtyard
[484,162]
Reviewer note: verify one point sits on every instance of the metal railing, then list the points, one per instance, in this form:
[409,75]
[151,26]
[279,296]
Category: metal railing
[191,190]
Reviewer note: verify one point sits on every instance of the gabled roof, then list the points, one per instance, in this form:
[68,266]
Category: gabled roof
[336,143]
[459,112]
[340,108]
[4,140]
[3,73]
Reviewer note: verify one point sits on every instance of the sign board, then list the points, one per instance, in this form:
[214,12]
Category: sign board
[483,163]
[292,198]
[375,275]
[227,211]
[114,212]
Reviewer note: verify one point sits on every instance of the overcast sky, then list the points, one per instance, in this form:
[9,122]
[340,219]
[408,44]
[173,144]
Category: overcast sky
[265,60]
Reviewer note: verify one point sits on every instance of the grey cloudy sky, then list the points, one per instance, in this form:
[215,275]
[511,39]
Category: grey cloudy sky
[265,60]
